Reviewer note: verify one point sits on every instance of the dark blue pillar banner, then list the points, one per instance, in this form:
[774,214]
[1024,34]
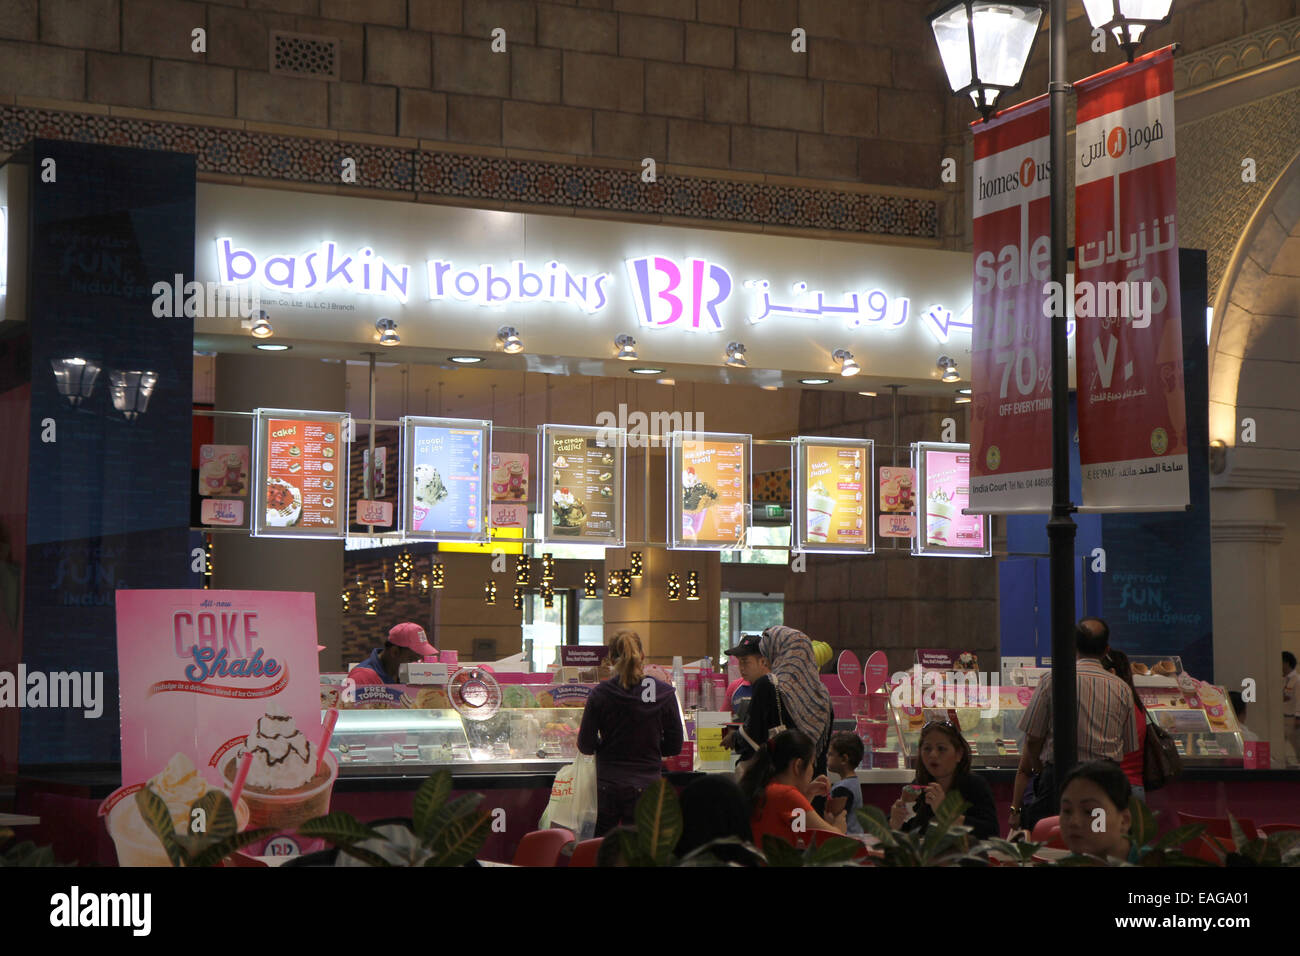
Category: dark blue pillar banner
[1157,583]
[109,499]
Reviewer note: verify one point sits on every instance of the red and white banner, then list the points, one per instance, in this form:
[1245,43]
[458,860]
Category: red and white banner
[1011,360]
[1132,412]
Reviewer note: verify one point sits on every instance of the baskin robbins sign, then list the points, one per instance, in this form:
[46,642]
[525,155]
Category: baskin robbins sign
[327,267]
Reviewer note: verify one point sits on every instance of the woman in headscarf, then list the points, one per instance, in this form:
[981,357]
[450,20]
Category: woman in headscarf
[804,699]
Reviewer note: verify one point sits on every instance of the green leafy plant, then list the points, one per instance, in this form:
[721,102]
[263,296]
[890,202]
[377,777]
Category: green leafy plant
[26,853]
[944,842]
[1274,849]
[219,838]
[443,832]
[835,851]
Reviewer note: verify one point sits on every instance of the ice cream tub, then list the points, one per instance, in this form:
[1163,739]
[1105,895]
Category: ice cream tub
[289,808]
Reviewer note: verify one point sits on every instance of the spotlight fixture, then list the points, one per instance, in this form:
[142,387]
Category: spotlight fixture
[963,391]
[637,562]
[868,394]
[268,347]
[949,369]
[519,599]
[646,371]
[466,359]
[548,568]
[692,585]
[437,574]
[387,331]
[371,603]
[522,572]
[589,583]
[508,336]
[402,569]
[848,365]
[74,378]
[769,388]
[736,355]
[814,381]
[259,323]
[626,346]
[490,592]
[961,400]
[674,586]
[666,381]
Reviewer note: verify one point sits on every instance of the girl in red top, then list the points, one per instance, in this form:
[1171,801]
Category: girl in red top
[1117,663]
[779,784]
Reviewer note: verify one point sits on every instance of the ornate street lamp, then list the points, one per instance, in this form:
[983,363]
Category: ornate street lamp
[985,47]
[131,391]
[74,378]
[1127,19]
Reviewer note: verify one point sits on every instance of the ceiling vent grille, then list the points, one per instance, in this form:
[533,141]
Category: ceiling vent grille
[301,54]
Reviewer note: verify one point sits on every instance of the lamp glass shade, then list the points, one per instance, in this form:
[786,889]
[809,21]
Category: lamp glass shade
[131,391]
[74,378]
[1003,35]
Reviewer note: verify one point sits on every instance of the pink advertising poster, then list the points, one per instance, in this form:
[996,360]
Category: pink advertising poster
[205,676]
[945,494]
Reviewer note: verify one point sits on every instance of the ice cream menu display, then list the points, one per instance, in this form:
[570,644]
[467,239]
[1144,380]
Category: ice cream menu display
[944,474]
[583,479]
[205,678]
[833,496]
[445,478]
[302,485]
[709,490]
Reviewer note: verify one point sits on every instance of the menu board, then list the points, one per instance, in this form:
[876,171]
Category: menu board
[302,474]
[582,478]
[832,504]
[897,502]
[943,475]
[444,478]
[708,490]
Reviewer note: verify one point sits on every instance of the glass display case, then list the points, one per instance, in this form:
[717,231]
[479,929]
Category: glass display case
[990,727]
[1196,714]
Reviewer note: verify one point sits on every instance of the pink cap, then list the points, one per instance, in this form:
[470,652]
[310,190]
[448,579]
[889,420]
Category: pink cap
[408,634]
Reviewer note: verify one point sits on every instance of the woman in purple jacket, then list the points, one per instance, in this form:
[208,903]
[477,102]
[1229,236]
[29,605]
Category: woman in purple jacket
[631,723]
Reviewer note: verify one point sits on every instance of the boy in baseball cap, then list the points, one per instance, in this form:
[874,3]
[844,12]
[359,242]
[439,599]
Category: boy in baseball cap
[406,644]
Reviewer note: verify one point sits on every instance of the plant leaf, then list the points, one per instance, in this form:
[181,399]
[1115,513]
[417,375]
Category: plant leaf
[1143,829]
[1176,837]
[630,848]
[429,799]
[215,853]
[709,851]
[1285,840]
[876,824]
[833,851]
[368,857]
[153,809]
[953,806]
[460,839]
[781,853]
[658,822]
[1238,834]
[219,816]
[339,828]
[463,806]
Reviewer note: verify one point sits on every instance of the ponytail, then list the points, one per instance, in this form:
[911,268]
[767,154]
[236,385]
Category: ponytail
[628,658]
[771,760]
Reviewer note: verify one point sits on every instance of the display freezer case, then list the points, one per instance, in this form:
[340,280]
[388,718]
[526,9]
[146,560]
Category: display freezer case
[1198,715]
[992,731]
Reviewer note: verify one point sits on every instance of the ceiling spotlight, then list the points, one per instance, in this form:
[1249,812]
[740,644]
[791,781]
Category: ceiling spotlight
[868,394]
[736,355]
[769,388]
[848,366]
[814,381]
[268,347]
[949,369]
[961,400]
[509,339]
[626,346]
[259,323]
[666,381]
[963,391]
[466,359]
[647,371]
[387,331]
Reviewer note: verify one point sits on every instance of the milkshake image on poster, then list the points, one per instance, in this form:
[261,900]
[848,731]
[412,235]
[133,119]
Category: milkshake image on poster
[939,517]
[286,784]
[445,480]
[697,497]
[821,510]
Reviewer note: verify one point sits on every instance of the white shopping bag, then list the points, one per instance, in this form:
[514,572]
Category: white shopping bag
[559,809]
[584,797]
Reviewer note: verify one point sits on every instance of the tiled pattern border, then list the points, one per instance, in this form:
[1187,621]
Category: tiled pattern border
[466,176]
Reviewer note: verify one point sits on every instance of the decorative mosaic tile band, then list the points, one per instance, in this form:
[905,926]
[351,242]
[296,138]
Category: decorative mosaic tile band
[466,176]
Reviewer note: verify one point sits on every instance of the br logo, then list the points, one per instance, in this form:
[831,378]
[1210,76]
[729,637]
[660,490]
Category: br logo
[686,294]
[1159,441]
[993,458]
[1027,171]
[1117,142]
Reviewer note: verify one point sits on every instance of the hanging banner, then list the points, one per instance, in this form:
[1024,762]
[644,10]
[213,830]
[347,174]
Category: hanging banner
[1132,412]
[1011,354]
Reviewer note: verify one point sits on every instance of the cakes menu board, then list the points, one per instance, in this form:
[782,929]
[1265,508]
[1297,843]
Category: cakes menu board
[708,490]
[582,478]
[302,474]
[833,494]
[445,478]
[943,474]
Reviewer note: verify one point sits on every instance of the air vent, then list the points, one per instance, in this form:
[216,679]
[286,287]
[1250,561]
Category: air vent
[301,54]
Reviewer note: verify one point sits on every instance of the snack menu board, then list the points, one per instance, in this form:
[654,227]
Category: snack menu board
[445,478]
[943,475]
[708,490]
[832,499]
[302,474]
[582,481]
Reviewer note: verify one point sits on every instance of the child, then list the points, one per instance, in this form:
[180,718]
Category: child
[778,787]
[842,758]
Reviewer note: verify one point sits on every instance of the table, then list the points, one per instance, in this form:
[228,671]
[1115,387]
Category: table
[18,820]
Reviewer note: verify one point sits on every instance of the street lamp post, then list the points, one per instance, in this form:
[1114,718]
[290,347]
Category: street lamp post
[985,46]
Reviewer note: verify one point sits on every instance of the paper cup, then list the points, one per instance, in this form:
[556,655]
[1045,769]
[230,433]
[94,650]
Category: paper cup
[287,811]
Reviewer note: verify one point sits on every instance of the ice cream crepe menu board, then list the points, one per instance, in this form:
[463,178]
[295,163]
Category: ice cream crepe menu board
[205,677]
[445,478]
[708,490]
[943,476]
[833,495]
[582,479]
[301,488]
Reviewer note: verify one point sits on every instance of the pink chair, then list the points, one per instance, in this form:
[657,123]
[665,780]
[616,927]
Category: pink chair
[584,853]
[1267,828]
[1219,826]
[1045,829]
[542,847]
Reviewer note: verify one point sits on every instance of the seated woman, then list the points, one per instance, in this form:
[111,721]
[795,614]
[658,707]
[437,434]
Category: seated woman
[943,764]
[779,783]
[1098,785]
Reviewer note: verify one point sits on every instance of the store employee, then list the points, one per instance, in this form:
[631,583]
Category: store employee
[406,644]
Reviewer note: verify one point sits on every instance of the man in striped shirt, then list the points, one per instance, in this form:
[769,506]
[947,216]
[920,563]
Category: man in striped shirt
[1107,723]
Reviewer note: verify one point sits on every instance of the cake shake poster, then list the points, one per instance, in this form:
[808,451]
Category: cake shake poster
[944,471]
[833,495]
[205,677]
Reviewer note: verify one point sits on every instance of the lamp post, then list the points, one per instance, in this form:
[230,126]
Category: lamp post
[985,46]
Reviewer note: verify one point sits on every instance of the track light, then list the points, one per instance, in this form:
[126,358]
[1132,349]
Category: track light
[848,366]
[626,346]
[508,336]
[259,323]
[949,369]
[736,355]
[387,332]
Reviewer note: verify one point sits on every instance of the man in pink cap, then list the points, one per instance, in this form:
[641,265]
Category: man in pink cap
[406,644]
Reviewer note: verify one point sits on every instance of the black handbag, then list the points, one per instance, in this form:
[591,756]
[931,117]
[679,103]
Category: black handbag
[1160,760]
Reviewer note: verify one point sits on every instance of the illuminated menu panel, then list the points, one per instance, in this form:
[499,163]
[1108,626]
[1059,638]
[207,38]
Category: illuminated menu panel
[833,495]
[943,474]
[445,478]
[301,488]
[582,481]
[708,490]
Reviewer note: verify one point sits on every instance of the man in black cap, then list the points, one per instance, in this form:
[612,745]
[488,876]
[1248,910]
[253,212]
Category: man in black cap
[764,713]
